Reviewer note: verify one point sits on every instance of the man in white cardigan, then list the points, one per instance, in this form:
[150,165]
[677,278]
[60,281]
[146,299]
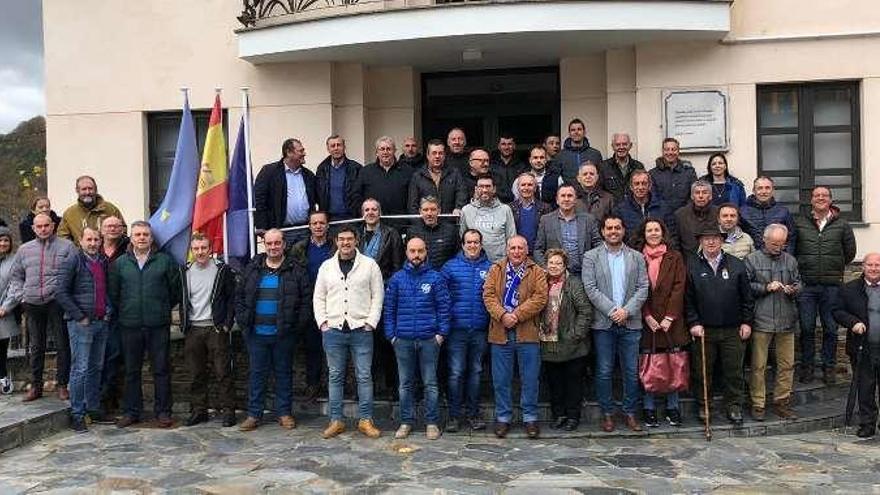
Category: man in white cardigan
[348,303]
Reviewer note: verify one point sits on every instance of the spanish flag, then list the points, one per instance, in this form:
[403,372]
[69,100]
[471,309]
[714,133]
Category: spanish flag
[212,197]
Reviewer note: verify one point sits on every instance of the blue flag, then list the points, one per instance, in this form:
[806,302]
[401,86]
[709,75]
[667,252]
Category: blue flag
[172,221]
[238,230]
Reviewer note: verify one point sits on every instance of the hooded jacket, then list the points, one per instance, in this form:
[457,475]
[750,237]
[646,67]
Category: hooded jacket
[495,221]
[77,217]
[416,304]
[756,216]
[571,157]
[465,278]
[294,292]
[822,256]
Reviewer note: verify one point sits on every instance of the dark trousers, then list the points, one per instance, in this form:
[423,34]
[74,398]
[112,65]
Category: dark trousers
[565,381]
[270,354]
[157,342]
[4,347]
[113,362]
[314,347]
[384,361]
[41,319]
[813,300]
[724,345]
[868,376]
[206,346]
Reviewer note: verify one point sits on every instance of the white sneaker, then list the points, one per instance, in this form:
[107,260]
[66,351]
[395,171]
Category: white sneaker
[403,431]
[6,385]
[432,432]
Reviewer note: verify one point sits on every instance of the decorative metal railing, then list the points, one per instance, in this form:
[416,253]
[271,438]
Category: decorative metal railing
[255,10]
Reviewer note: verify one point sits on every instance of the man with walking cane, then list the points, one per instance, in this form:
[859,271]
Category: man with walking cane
[858,309]
[719,309]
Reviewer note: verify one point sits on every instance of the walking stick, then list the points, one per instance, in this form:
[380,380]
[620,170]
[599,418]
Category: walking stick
[853,386]
[708,430]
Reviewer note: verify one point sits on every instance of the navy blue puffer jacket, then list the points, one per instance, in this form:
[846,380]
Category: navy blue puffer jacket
[755,216]
[465,279]
[416,304]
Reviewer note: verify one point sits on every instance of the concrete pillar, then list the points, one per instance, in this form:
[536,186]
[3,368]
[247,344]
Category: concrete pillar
[393,100]
[620,74]
[583,94]
[349,108]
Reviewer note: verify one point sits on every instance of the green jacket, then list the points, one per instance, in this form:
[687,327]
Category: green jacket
[575,315]
[144,297]
[822,256]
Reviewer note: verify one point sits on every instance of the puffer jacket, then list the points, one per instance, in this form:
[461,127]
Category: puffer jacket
[738,243]
[822,256]
[575,316]
[465,278]
[294,289]
[673,183]
[417,304]
[571,157]
[76,295]
[37,269]
[774,311]
[495,221]
[733,192]
[8,325]
[451,193]
[755,216]
[633,214]
[144,296]
[441,241]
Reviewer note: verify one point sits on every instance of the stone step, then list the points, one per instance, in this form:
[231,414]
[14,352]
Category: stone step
[21,424]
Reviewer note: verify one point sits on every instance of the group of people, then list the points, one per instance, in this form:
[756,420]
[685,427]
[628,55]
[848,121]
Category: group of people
[565,263]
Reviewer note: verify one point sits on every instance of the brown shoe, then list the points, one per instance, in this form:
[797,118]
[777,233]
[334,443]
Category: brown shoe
[334,428]
[287,422]
[633,423]
[126,421]
[608,423]
[501,429]
[249,424]
[757,413]
[63,393]
[369,429]
[164,421]
[532,430]
[782,408]
[32,395]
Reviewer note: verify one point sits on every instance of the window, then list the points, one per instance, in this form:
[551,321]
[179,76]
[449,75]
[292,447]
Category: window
[808,135]
[162,130]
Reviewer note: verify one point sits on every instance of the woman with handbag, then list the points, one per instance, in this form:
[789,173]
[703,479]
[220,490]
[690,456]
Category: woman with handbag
[663,313]
[564,341]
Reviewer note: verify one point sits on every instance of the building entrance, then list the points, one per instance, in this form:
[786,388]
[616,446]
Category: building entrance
[522,102]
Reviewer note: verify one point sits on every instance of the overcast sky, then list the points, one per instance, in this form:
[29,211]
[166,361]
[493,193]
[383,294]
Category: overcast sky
[21,62]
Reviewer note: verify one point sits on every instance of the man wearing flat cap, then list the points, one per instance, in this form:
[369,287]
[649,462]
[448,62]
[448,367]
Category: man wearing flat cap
[720,309]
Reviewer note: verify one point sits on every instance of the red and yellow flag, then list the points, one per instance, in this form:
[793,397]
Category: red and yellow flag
[212,197]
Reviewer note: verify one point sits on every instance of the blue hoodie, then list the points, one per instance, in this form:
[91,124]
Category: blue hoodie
[465,278]
[417,304]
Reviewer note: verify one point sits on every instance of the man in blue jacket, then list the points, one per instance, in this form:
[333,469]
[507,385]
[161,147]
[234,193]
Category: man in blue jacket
[83,296]
[417,320]
[575,151]
[640,203]
[465,275]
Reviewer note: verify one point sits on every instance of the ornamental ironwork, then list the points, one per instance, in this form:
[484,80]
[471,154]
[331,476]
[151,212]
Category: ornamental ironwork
[256,10]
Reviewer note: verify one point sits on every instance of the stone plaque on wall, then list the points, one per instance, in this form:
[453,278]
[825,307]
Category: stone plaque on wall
[698,119]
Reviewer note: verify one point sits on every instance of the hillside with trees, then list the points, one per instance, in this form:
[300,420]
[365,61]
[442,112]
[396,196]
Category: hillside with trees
[22,169]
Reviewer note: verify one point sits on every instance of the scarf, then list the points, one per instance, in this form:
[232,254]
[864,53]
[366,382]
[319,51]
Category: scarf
[511,286]
[549,331]
[734,235]
[654,257]
[372,248]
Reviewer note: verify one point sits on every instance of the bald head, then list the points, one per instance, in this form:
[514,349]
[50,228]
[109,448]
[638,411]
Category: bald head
[871,266]
[43,226]
[416,251]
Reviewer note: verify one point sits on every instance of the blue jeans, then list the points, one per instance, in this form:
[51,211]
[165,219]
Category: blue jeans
[819,299]
[265,352]
[465,350]
[337,346]
[87,345]
[671,401]
[621,343]
[528,356]
[412,353]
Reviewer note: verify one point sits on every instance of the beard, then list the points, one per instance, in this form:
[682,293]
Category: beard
[87,201]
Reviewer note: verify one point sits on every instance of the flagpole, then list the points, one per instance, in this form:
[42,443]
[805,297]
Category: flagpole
[252,247]
[217,91]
